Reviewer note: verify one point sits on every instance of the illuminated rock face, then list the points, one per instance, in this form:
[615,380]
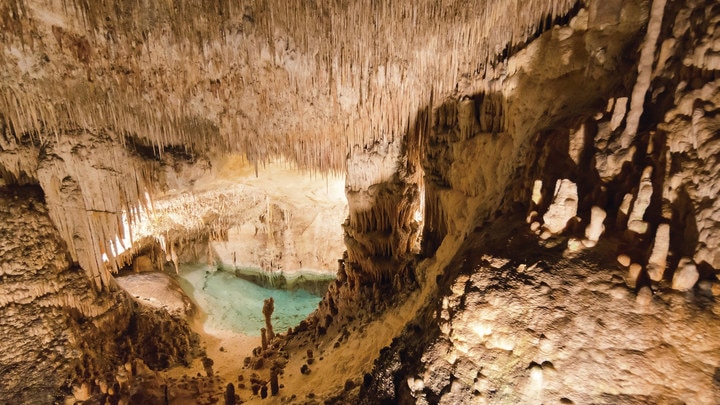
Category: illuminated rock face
[512,328]
[60,337]
[306,82]
[505,326]
[446,120]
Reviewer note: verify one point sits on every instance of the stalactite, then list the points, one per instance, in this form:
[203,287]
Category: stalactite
[645,67]
[381,72]
[365,91]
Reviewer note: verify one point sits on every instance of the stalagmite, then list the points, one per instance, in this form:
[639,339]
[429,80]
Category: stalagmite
[686,275]
[636,222]
[274,386]
[633,274]
[81,393]
[230,394]
[532,217]
[644,296]
[624,210]
[268,308]
[563,207]
[596,226]
[537,192]
[208,366]
[658,258]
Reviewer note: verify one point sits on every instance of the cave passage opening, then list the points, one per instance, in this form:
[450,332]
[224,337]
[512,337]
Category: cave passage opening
[239,235]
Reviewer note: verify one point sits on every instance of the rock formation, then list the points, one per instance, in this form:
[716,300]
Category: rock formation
[562,208]
[489,349]
[268,308]
[230,395]
[631,171]
[531,194]
[54,322]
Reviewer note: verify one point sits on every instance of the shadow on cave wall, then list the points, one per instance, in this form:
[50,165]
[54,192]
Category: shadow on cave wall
[548,160]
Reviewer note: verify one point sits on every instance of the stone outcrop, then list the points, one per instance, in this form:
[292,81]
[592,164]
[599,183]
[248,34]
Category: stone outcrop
[54,323]
[518,332]
[644,175]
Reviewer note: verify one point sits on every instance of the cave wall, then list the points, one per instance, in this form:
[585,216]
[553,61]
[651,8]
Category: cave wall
[95,187]
[587,276]
[226,214]
[455,163]
[62,338]
[383,191]
[480,145]
[482,100]
[560,111]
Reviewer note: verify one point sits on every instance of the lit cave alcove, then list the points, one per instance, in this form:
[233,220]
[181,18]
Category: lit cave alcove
[237,237]
[503,202]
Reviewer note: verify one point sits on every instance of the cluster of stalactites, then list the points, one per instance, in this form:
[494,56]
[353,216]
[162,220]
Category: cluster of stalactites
[303,80]
[177,73]
[384,202]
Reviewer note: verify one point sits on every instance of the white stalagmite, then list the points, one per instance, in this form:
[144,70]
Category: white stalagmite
[563,207]
[636,222]
[596,226]
[537,192]
[624,210]
[658,258]
[686,275]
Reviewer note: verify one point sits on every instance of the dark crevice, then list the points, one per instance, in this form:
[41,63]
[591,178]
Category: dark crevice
[155,153]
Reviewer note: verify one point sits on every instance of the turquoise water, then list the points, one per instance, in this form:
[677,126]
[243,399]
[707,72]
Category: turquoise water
[234,304]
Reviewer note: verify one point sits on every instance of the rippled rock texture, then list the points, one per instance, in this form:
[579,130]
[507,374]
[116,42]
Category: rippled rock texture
[521,323]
